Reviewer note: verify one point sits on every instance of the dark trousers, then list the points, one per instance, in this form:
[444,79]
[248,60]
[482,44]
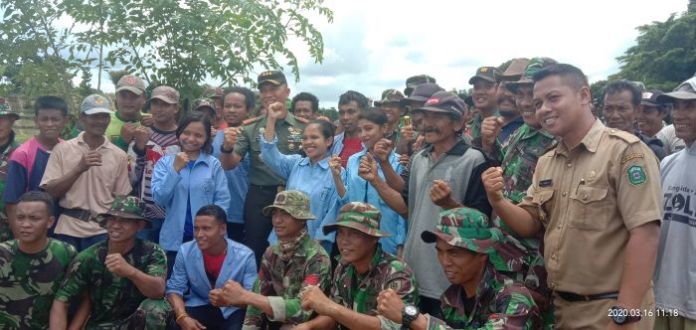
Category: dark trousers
[235,231]
[256,225]
[211,317]
[430,306]
[81,243]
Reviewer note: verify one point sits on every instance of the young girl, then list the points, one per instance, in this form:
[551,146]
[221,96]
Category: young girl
[185,182]
[310,174]
[371,130]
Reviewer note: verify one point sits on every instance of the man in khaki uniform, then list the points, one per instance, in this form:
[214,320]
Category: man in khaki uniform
[598,196]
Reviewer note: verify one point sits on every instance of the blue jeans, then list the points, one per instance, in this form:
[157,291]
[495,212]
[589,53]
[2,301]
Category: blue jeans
[81,243]
[151,234]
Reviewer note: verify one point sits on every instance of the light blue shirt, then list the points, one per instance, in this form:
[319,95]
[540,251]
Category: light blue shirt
[313,179]
[237,182]
[190,281]
[205,184]
[359,190]
[337,146]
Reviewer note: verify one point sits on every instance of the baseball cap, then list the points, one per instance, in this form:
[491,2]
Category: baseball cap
[487,73]
[95,104]
[445,102]
[650,98]
[166,94]
[295,202]
[126,207]
[360,216]
[390,96]
[414,81]
[535,65]
[515,70]
[274,77]
[7,110]
[211,92]
[423,92]
[131,83]
[685,91]
[202,103]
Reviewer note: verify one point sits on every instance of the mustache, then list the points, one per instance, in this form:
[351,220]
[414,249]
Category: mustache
[431,130]
[504,99]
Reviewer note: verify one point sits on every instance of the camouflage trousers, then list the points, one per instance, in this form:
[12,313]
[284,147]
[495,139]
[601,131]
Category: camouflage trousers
[151,315]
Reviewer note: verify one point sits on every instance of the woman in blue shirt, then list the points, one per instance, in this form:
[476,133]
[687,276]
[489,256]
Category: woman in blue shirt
[183,183]
[310,174]
[352,188]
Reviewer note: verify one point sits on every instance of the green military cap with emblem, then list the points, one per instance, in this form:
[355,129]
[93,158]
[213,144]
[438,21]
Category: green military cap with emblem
[294,202]
[124,207]
[360,216]
[390,96]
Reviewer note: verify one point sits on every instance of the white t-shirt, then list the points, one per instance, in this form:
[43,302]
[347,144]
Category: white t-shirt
[669,139]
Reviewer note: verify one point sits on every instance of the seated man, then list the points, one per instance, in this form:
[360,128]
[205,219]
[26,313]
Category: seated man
[202,267]
[32,265]
[287,267]
[123,277]
[479,297]
[364,270]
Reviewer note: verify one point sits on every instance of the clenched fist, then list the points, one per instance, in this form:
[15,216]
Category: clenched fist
[180,160]
[493,183]
[276,111]
[231,134]
[490,129]
[89,159]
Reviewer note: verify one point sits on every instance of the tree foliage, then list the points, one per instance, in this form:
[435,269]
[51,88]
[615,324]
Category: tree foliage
[665,53]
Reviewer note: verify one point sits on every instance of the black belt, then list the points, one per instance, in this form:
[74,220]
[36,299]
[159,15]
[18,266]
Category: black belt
[81,214]
[569,296]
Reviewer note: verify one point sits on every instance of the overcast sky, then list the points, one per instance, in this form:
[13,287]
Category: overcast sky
[376,44]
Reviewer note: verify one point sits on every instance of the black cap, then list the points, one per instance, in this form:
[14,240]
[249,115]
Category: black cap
[445,102]
[650,98]
[274,77]
[414,81]
[423,92]
[487,73]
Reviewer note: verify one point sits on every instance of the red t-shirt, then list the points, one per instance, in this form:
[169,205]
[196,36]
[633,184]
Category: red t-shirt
[350,147]
[213,265]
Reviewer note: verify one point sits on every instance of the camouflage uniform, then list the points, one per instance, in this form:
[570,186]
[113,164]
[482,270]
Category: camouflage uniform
[287,267]
[28,282]
[500,302]
[116,301]
[359,292]
[393,97]
[6,110]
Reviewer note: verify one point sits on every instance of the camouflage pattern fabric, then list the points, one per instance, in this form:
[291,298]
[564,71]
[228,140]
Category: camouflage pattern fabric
[295,202]
[28,282]
[359,292]
[5,231]
[360,216]
[126,207]
[500,303]
[473,127]
[115,300]
[281,279]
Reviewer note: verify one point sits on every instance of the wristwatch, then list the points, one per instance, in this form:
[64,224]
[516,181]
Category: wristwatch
[408,315]
[621,316]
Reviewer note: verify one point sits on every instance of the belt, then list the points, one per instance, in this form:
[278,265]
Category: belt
[277,188]
[569,296]
[81,214]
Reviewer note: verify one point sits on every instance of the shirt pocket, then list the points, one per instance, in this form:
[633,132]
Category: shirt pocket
[589,208]
[543,200]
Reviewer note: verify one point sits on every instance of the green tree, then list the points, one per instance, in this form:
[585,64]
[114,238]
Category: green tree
[665,52]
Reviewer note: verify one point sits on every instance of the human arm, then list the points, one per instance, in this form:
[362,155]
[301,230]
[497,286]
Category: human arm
[181,318]
[222,196]
[313,298]
[59,181]
[383,151]
[236,145]
[82,314]
[164,181]
[368,171]
[150,286]
[278,162]
[336,174]
[517,218]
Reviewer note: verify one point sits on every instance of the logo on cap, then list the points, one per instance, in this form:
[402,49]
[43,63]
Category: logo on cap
[483,70]
[432,101]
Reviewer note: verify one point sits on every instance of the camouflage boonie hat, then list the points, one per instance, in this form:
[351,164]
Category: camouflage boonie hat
[212,92]
[535,65]
[126,207]
[515,70]
[390,96]
[202,103]
[6,109]
[295,202]
[414,81]
[360,216]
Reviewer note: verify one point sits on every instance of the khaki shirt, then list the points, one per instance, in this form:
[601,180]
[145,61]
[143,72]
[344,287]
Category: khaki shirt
[588,199]
[289,133]
[94,190]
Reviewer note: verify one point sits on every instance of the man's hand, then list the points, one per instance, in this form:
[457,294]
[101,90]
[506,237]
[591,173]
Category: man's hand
[147,120]
[189,323]
[335,165]
[142,135]
[89,159]
[276,111]
[404,160]
[368,168]
[441,195]
[315,299]
[490,129]
[407,132]
[231,294]
[390,305]
[180,161]
[116,264]
[128,132]
[382,149]
[231,134]
[493,183]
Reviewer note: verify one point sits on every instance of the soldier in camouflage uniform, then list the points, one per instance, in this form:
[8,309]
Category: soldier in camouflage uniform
[32,265]
[480,297]
[287,267]
[7,144]
[123,277]
[363,271]
[485,99]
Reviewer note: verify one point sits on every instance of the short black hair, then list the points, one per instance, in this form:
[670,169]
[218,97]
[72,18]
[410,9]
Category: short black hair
[197,117]
[39,196]
[304,96]
[376,116]
[349,96]
[570,74]
[214,211]
[50,102]
[249,96]
[618,86]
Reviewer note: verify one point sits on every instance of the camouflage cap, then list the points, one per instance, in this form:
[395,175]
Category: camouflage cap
[125,207]
[295,202]
[414,81]
[360,216]
[202,103]
[467,228]
[390,96]
[7,110]
[211,92]
[131,83]
[166,94]
[515,70]
[535,65]
[487,73]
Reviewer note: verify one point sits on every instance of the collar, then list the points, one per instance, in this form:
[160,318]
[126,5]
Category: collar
[302,248]
[81,140]
[140,115]
[458,149]
[324,163]
[453,295]
[590,141]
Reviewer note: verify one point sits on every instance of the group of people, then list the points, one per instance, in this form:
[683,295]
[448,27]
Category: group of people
[521,207]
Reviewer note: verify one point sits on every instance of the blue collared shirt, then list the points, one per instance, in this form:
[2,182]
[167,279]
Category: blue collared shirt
[205,183]
[337,146]
[190,281]
[313,179]
[359,190]
[237,182]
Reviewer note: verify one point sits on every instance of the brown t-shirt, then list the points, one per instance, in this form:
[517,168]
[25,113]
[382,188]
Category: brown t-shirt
[588,200]
[94,190]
